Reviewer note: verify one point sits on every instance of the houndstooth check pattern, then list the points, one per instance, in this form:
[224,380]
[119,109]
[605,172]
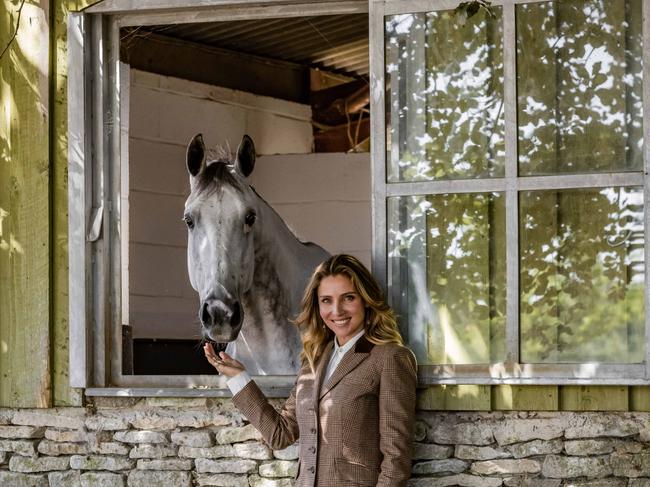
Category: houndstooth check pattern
[356,429]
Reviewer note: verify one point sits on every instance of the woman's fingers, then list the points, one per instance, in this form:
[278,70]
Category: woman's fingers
[224,363]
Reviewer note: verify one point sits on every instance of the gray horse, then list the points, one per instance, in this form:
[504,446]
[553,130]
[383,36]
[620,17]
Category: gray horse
[249,269]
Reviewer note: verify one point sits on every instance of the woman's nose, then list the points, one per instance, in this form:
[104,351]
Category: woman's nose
[338,307]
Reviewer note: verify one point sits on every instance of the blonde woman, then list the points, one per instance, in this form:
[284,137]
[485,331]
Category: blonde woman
[353,404]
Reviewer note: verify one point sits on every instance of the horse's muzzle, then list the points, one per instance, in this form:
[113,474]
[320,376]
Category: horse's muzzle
[221,322]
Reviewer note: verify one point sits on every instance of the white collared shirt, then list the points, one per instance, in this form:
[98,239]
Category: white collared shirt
[338,353]
[238,382]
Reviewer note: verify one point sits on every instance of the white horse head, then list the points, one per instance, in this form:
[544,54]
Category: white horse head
[247,267]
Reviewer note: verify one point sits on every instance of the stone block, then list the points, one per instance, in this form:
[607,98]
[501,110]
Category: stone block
[106,423]
[142,436]
[6,415]
[22,464]
[196,439]
[257,481]
[66,436]
[237,434]
[289,453]
[597,483]
[506,467]
[603,424]
[97,462]
[153,421]
[21,432]
[21,447]
[631,465]
[463,433]
[220,451]
[111,448]
[536,447]
[279,468]
[255,451]
[523,430]
[469,452]
[152,451]
[420,431]
[102,479]
[463,480]
[205,465]
[64,479]
[222,480]
[640,482]
[588,447]
[3,457]
[527,481]
[65,418]
[54,448]
[167,464]
[559,467]
[202,419]
[149,478]
[438,467]
[13,479]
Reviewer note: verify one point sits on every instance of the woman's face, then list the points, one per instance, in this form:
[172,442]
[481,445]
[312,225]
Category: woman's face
[341,308]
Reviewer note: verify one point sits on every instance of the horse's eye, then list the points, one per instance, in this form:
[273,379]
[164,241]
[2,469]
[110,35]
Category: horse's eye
[188,221]
[250,218]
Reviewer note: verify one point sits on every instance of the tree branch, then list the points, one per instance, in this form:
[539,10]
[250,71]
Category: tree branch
[13,37]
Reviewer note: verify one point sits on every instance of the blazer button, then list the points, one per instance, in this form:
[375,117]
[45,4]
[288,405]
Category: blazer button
[311,469]
[312,449]
[313,431]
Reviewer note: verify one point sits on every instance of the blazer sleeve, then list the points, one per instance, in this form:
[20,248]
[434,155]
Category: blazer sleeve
[279,429]
[397,417]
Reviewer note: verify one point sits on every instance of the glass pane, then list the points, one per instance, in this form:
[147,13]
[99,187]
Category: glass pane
[447,273]
[579,85]
[445,96]
[582,276]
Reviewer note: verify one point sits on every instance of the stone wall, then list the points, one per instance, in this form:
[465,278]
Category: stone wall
[120,442]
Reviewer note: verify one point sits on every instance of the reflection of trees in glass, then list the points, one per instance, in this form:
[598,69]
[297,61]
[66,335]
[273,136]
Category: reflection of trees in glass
[582,275]
[465,272]
[446,96]
[579,84]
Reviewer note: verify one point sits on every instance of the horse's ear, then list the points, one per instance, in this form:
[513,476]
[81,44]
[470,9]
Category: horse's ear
[196,155]
[245,156]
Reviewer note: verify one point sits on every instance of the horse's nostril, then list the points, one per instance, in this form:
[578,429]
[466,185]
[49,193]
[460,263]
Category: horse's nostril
[206,318]
[235,318]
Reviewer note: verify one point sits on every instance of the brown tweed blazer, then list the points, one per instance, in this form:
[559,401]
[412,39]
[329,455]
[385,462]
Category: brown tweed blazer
[356,429]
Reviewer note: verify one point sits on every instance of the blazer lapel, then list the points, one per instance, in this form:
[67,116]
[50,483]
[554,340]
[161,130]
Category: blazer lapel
[321,367]
[347,364]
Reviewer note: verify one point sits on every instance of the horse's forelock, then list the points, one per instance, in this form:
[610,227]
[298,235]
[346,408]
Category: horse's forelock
[215,175]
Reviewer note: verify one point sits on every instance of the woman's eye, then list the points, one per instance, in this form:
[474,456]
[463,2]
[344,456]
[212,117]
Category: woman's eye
[188,221]
[250,218]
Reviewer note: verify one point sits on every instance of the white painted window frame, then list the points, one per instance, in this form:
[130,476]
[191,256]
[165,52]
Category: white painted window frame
[511,371]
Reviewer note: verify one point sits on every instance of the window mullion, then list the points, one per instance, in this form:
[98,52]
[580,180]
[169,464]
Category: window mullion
[646,165]
[512,210]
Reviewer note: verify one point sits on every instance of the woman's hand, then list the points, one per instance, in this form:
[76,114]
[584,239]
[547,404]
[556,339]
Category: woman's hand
[224,363]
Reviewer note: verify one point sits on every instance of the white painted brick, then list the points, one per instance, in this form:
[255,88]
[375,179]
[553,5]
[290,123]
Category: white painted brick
[154,166]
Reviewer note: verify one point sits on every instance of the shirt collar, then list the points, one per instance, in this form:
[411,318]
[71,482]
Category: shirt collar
[351,342]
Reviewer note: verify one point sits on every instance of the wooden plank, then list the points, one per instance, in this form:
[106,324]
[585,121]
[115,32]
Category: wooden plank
[525,398]
[25,379]
[594,398]
[454,398]
[639,398]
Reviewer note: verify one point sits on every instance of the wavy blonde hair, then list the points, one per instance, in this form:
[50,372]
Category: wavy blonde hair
[380,323]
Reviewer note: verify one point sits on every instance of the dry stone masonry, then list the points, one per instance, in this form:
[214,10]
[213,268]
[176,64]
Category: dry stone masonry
[118,442]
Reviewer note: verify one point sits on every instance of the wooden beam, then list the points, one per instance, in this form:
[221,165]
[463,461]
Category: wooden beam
[168,56]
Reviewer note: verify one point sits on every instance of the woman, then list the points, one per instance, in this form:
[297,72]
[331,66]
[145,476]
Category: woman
[353,405]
